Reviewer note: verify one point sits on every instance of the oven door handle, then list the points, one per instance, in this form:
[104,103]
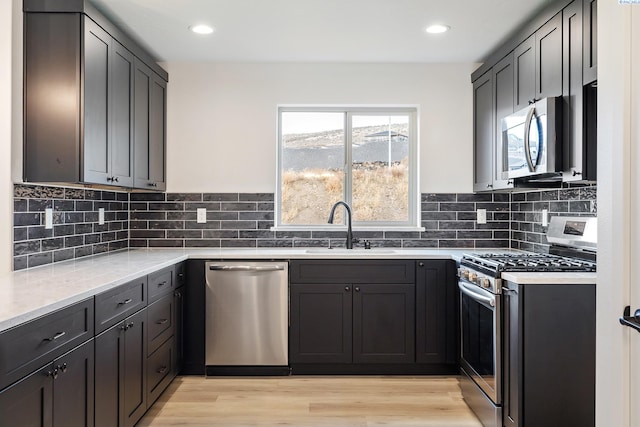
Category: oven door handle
[481,296]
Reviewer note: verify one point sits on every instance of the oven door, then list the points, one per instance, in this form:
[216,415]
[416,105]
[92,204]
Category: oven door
[480,338]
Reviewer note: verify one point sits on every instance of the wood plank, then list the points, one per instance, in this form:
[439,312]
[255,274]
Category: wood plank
[344,401]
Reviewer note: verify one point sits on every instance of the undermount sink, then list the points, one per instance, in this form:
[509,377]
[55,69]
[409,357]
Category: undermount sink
[344,251]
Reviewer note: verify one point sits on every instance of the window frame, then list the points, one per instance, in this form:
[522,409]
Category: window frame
[414,221]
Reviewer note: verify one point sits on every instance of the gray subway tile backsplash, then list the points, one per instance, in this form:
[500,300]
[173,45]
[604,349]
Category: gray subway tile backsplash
[244,220]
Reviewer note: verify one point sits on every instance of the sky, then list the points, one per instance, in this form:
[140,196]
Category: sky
[304,122]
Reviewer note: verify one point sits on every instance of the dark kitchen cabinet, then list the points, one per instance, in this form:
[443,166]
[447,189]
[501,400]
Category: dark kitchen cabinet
[61,394]
[70,58]
[590,37]
[483,132]
[548,69]
[352,312]
[503,74]
[572,92]
[88,69]
[549,355]
[436,319]
[321,323]
[524,68]
[121,372]
[150,128]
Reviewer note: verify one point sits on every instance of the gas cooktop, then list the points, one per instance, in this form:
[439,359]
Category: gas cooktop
[526,262]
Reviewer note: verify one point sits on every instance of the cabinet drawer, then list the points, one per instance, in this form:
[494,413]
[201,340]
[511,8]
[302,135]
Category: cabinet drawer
[352,271]
[161,322]
[33,344]
[114,305]
[159,373]
[160,283]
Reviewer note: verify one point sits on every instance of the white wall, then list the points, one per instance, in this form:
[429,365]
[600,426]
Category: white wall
[221,132]
[6,187]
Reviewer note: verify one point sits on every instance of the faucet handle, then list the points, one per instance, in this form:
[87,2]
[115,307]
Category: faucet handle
[367,244]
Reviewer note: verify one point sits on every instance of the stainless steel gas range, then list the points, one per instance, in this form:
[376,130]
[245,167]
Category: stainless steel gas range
[481,306]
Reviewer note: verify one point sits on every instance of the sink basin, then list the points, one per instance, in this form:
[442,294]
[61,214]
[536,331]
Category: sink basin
[343,251]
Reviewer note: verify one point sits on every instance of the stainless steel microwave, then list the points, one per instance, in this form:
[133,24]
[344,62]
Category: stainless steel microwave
[532,140]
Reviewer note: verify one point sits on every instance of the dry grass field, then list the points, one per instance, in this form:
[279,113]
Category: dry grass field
[380,194]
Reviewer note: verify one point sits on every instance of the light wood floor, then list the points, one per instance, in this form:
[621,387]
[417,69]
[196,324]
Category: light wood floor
[312,402]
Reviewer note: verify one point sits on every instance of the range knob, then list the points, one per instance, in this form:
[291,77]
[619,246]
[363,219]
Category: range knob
[464,274]
[473,276]
[486,283]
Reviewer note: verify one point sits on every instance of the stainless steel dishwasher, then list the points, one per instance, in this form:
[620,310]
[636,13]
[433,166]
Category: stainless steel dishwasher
[247,318]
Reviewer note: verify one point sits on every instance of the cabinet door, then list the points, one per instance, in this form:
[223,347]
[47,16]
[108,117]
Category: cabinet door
[29,401]
[150,128]
[109,377]
[97,86]
[590,36]
[549,58]
[524,68]
[504,99]
[436,321]
[135,368]
[572,114]
[121,138]
[320,323]
[384,323]
[73,389]
[483,132]
[511,358]
[178,336]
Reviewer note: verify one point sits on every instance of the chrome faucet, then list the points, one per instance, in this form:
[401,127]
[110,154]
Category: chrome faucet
[350,239]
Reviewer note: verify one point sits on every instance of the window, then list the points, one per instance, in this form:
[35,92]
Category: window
[364,156]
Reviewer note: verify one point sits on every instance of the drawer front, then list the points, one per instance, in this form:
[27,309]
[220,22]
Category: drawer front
[352,271]
[159,372]
[180,274]
[114,305]
[161,322]
[160,283]
[33,344]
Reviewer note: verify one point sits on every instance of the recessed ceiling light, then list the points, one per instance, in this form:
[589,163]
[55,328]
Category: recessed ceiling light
[438,28]
[201,29]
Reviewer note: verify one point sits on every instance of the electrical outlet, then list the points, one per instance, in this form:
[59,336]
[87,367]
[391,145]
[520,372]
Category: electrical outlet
[48,218]
[201,215]
[481,216]
[100,216]
[545,217]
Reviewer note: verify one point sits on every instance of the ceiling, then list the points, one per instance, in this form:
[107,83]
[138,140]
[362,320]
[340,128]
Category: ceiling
[320,30]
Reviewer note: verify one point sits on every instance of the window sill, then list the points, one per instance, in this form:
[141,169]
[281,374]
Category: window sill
[344,228]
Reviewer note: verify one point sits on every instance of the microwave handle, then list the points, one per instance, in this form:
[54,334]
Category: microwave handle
[527,141]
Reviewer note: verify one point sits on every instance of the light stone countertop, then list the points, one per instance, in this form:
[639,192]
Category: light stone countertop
[29,294]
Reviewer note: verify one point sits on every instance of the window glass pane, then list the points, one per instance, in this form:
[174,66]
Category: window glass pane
[312,159]
[380,168]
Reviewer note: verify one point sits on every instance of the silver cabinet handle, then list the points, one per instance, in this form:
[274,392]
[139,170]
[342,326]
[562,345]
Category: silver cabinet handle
[245,268]
[56,336]
[162,321]
[127,301]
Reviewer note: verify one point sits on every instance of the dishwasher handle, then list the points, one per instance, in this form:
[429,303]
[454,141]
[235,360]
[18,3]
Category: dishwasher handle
[246,268]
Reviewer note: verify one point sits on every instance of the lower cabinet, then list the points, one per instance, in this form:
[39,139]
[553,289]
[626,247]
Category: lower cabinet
[437,331]
[61,394]
[121,374]
[549,355]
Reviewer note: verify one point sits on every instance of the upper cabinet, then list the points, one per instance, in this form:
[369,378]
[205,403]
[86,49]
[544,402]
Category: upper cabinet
[81,103]
[555,55]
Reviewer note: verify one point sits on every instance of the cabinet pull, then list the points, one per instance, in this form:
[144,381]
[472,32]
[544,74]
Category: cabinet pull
[130,325]
[127,301]
[53,373]
[162,283]
[63,367]
[421,264]
[56,336]
[357,289]
[177,294]
[153,184]
[162,321]
[346,288]
[162,370]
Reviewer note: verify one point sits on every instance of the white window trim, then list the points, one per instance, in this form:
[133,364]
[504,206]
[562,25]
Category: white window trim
[414,166]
